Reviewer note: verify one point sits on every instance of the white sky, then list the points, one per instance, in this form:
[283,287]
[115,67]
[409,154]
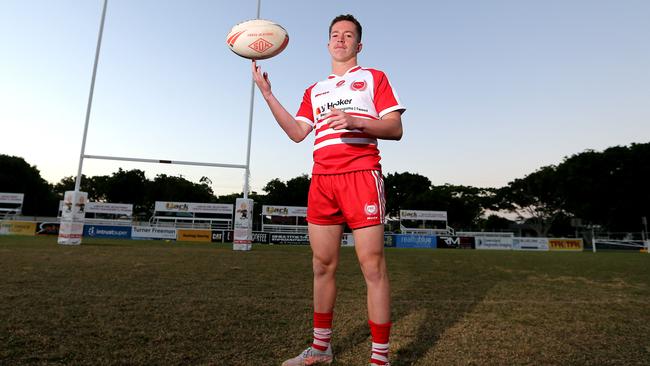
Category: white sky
[493,89]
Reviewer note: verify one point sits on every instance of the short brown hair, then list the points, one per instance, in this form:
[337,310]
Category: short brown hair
[349,18]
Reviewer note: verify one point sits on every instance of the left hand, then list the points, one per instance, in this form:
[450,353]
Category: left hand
[339,120]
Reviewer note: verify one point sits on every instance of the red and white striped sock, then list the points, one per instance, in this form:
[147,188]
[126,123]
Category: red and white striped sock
[322,331]
[380,334]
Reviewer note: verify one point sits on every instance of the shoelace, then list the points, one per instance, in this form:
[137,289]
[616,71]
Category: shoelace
[306,352]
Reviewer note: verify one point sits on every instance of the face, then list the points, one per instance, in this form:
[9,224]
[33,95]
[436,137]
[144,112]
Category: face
[343,44]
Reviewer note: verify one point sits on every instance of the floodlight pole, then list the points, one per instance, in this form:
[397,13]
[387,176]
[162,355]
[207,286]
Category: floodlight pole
[247,171]
[77,184]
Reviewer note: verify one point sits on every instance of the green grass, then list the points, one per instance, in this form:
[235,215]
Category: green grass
[110,302]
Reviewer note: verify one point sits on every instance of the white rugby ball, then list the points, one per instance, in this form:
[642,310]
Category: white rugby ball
[257,39]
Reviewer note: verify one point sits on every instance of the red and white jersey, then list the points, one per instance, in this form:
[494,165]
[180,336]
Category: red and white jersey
[361,92]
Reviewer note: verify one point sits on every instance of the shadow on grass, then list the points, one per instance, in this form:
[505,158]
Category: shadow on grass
[428,297]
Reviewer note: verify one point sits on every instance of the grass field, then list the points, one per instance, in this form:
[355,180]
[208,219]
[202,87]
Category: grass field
[110,302]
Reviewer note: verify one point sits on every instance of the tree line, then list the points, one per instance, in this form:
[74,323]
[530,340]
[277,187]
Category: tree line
[608,189]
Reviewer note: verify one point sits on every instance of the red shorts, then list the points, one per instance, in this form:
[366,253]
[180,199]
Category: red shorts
[355,198]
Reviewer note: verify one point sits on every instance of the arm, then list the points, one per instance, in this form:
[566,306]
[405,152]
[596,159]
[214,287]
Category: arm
[389,127]
[296,130]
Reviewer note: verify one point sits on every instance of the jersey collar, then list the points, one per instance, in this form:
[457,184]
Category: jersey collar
[351,70]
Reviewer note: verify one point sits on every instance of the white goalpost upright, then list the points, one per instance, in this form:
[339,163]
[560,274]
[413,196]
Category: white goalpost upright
[72,217]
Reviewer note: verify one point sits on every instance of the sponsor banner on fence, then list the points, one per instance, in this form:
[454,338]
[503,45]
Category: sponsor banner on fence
[486,234]
[415,241]
[389,240]
[47,228]
[284,211]
[423,215]
[565,244]
[453,242]
[529,243]
[213,208]
[153,232]
[281,238]
[260,237]
[107,231]
[12,198]
[193,235]
[493,242]
[18,228]
[124,209]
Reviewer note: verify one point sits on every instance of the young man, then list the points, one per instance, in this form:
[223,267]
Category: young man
[349,111]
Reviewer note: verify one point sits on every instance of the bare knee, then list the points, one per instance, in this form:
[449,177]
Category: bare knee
[374,269]
[323,266]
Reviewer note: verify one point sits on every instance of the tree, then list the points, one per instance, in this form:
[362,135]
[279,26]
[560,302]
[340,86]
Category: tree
[608,188]
[169,188]
[536,199]
[402,189]
[17,176]
[292,193]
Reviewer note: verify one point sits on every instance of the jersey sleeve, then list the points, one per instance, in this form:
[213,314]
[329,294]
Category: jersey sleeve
[306,111]
[385,97]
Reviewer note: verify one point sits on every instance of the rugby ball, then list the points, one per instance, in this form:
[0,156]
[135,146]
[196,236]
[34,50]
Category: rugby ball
[257,39]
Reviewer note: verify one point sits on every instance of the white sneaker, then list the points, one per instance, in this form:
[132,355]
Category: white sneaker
[311,356]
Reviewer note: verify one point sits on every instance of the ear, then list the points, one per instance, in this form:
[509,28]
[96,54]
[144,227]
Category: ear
[359,47]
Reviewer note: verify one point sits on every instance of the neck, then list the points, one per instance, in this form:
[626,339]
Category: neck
[340,67]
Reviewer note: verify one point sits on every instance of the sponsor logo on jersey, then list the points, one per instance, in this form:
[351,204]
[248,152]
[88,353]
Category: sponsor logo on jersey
[359,85]
[323,93]
[330,105]
[340,83]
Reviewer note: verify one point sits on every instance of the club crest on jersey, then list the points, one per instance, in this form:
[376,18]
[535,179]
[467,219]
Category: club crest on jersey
[370,208]
[359,85]
[340,83]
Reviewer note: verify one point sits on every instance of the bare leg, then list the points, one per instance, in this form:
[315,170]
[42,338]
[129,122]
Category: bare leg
[325,243]
[369,245]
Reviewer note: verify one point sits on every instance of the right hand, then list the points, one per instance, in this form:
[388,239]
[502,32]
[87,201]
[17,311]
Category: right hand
[262,80]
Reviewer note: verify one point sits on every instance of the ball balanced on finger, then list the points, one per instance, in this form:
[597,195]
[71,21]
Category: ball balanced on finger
[257,39]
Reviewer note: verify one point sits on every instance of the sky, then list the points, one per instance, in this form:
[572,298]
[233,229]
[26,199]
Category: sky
[494,90]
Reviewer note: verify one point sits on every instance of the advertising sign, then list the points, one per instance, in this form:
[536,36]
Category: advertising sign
[47,228]
[218,236]
[107,231]
[72,217]
[194,235]
[18,228]
[455,242]
[121,209]
[243,228]
[284,211]
[389,240]
[565,244]
[530,244]
[212,208]
[423,215]
[280,238]
[153,232]
[415,241]
[493,242]
[12,198]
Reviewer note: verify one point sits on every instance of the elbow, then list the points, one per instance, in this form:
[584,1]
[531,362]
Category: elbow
[398,134]
[296,138]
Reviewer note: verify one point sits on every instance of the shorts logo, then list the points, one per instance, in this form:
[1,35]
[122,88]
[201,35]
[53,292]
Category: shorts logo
[340,83]
[359,85]
[371,208]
